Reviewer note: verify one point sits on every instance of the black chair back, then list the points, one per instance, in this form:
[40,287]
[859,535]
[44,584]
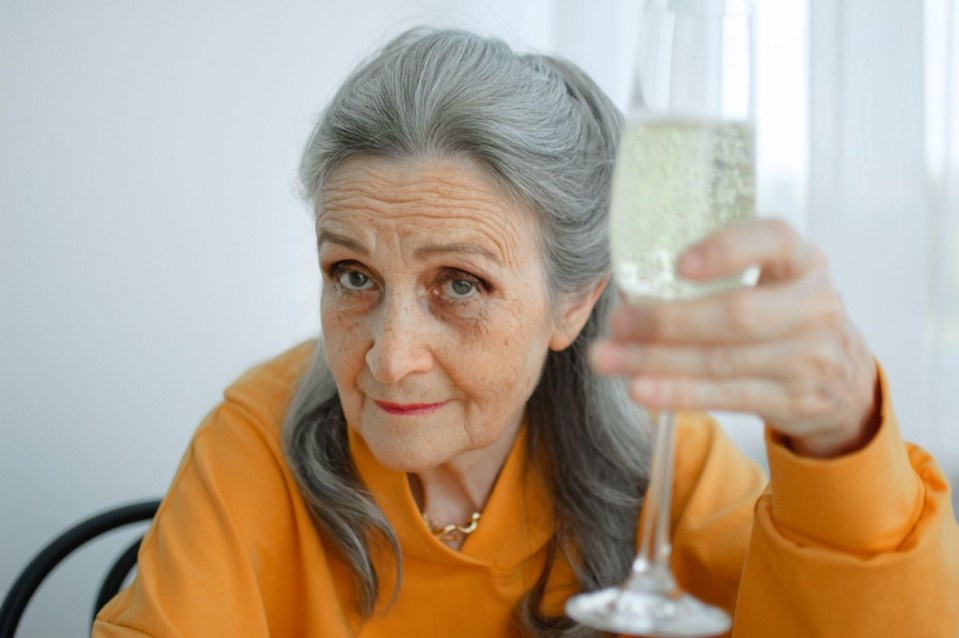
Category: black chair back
[33,575]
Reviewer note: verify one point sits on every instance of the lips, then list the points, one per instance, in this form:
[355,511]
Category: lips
[409,409]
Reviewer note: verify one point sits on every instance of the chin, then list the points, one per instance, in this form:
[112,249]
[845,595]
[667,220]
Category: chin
[405,455]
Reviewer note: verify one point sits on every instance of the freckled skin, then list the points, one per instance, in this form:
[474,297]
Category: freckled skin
[469,327]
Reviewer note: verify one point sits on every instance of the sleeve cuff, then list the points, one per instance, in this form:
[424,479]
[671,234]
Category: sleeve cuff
[864,502]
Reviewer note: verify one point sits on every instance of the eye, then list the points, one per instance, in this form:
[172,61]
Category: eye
[460,286]
[352,279]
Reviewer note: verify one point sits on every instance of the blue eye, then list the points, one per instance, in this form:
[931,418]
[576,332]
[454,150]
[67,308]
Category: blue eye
[354,280]
[460,288]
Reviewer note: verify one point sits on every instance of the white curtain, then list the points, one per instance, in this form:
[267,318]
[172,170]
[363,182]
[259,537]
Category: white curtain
[601,38]
[942,136]
[884,193]
[858,138]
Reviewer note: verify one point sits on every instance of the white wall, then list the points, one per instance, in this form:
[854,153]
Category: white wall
[151,245]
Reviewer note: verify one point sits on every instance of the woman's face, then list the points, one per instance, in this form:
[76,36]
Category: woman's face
[435,315]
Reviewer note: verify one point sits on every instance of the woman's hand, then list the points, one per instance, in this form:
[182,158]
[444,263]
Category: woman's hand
[784,349]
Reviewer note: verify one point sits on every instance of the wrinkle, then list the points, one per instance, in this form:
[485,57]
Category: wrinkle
[367,200]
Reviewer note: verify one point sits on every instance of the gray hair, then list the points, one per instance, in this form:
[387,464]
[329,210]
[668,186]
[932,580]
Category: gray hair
[548,134]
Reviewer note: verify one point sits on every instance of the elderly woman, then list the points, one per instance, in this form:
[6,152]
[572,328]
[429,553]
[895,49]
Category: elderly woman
[463,449]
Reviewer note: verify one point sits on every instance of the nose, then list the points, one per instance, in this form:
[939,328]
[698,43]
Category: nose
[401,343]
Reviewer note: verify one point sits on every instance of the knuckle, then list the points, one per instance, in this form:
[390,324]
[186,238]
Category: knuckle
[634,359]
[676,394]
[817,258]
[782,229]
[826,312]
[827,398]
[833,313]
[682,394]
[814,402]
[741,313]
[657,359]
[790,244]
[719,362]
[846,349]
[739,397]
[826,363]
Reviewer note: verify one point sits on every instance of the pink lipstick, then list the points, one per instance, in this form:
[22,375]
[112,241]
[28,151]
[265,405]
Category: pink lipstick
[409,409]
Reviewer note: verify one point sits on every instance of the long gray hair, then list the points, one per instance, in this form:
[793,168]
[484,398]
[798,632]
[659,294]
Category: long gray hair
[542,128]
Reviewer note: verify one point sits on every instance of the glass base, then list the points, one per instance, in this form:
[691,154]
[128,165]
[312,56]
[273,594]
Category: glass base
[639,613]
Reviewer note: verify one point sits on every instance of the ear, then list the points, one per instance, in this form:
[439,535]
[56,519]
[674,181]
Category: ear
[574,316]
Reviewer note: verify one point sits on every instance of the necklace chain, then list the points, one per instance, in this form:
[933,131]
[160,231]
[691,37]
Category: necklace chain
[453,532]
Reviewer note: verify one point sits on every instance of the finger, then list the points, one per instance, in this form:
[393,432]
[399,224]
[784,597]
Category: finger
[736,316]
[737,361]
[757,396]
[794,411]
[771,244]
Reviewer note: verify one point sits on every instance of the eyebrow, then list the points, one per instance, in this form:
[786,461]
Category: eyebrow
[421,252]
[342,240]
[456,247]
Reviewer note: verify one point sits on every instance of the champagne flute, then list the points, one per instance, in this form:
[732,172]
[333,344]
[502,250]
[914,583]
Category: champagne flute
[685,168]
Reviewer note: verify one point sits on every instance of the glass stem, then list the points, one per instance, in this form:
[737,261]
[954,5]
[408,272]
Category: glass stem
[651,571]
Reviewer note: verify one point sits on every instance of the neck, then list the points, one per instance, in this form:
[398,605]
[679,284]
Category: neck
[452,491]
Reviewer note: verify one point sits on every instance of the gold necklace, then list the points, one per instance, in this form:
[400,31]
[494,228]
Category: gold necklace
[453,532]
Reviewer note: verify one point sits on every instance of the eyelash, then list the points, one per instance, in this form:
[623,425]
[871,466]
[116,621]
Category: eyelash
[448,275]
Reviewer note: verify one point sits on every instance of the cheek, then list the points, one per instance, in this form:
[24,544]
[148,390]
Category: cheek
[342,341]
[507,358]
[502,376]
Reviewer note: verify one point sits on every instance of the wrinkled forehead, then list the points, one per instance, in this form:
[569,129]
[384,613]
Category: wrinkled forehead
[426,202]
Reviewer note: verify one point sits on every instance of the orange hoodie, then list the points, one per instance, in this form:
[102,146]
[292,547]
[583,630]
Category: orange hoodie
[862,545]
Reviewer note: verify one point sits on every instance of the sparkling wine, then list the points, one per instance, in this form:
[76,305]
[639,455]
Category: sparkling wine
[675,182]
